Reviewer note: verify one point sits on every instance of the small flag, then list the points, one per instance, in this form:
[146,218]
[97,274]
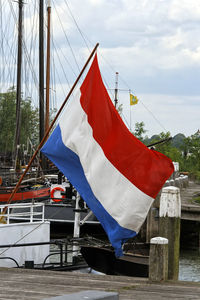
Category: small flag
[116,174]
[133,99]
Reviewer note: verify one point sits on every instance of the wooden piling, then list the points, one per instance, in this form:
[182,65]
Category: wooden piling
[158,259]
[152,225]
[152,221]
[169,226]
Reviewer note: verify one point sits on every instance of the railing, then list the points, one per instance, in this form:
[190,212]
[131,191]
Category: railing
[26,212]
[63,261]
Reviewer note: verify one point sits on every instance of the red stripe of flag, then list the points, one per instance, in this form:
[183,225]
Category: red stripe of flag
[145,168]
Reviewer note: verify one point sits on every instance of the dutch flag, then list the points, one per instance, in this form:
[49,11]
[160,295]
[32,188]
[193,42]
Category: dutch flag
[116,174]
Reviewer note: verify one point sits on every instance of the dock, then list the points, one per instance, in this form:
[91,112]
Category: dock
[190,210]
[31,284]
[188,194]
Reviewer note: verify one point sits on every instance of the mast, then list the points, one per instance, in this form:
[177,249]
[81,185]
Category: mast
[41,73]
[18,96]
[48,66]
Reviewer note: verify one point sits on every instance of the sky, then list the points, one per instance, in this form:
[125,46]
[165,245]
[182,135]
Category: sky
[153,45]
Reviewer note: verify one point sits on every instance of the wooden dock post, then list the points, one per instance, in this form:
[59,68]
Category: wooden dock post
[169,226]
[158,259]
[152,221]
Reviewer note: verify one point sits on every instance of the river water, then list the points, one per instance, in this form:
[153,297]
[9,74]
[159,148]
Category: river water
[189,265]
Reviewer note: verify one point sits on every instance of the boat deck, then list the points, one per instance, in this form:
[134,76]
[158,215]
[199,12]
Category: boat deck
[29,284]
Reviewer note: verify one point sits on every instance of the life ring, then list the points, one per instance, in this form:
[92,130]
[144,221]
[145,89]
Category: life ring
[57,188]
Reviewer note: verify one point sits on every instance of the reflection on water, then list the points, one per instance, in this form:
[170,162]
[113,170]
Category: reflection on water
[189,266]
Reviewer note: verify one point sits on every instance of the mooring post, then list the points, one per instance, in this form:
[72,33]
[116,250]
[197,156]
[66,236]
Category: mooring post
[152,223]
[169,226]
[158,259]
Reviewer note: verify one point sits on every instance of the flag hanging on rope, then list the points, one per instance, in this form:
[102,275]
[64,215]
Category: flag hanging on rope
[133,99]
[116,175]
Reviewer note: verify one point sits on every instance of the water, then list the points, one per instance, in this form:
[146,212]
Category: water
[189,265]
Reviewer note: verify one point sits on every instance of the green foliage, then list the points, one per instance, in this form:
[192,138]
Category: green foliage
[192,154]
[180,149]
[197,175]
[7,125]
[29,121]
[167,148]
[139,131]
[178,141]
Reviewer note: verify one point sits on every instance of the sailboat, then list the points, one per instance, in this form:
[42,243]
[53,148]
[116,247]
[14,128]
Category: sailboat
[32,188]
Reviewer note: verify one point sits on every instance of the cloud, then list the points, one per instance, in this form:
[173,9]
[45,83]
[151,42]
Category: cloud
[184,11]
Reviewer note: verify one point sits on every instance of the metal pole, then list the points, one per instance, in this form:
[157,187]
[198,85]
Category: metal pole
[76,227]
[130,114]
[116,89]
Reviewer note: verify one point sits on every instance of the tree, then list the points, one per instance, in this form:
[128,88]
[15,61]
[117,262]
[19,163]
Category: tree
[192,157]
[139,131]
[168,149]
[163,147]
[185,151]
[7,122]
[29,121]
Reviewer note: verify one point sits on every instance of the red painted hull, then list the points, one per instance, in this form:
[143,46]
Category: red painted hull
[22,195]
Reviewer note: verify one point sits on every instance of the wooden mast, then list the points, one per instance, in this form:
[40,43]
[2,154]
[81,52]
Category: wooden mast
[18,96]
[48,66]
[41,73]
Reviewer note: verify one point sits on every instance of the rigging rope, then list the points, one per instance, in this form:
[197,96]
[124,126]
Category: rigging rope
[67,38]
[80,31]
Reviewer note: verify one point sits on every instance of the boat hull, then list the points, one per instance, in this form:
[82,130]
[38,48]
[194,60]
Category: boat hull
[24,195]
[103,260]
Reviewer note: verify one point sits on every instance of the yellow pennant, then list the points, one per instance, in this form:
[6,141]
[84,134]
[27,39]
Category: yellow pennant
[133,99]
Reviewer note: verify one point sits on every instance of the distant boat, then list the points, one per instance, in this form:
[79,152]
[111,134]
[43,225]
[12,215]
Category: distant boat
[24,193]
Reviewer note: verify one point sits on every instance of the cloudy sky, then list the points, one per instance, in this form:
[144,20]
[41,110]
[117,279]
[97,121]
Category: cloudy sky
[155,47]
